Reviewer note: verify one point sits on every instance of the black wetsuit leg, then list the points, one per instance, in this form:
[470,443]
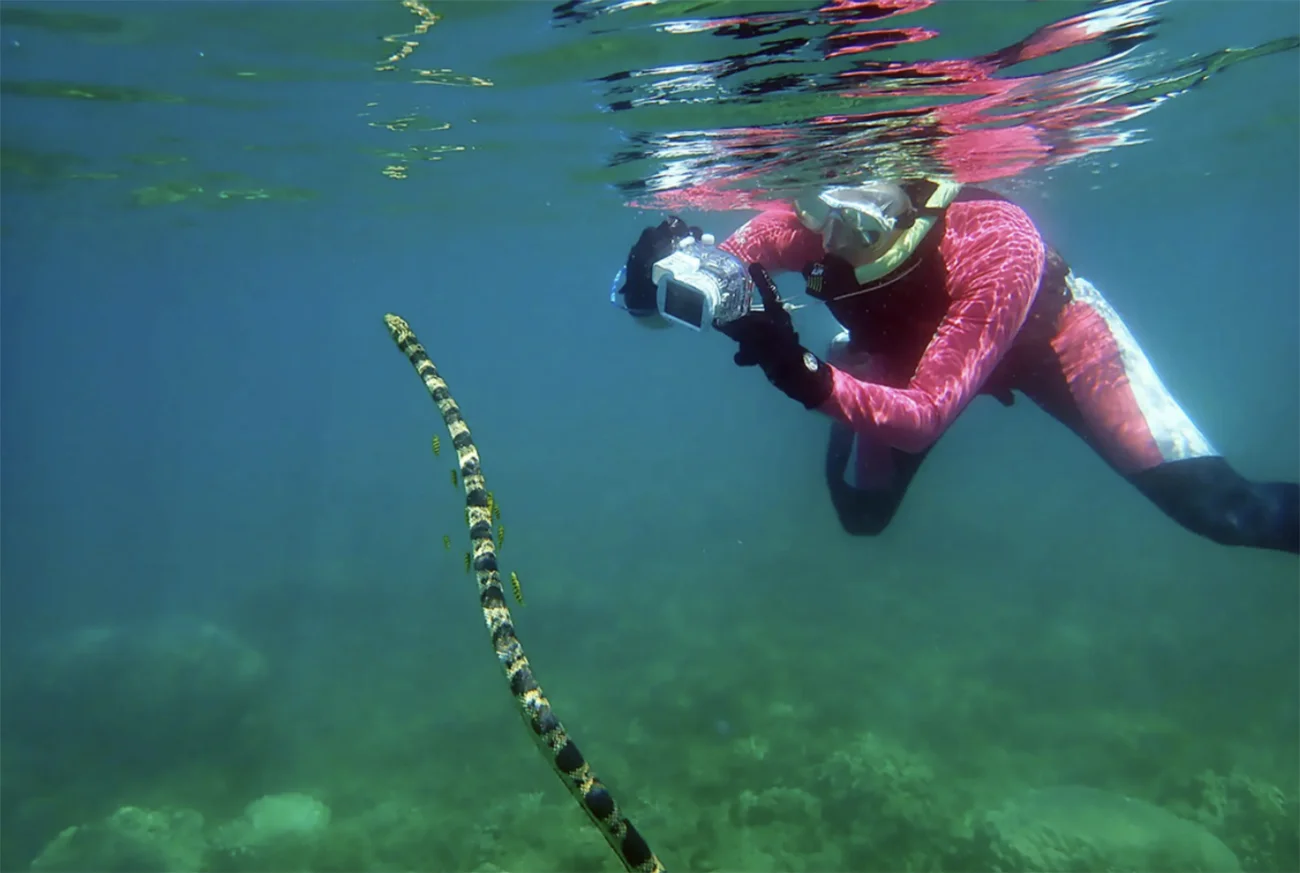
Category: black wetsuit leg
[865,511]
[1204,494]
[1208,497]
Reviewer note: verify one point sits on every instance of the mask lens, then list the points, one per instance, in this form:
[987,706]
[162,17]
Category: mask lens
[848,230]
[869,224]
[813,212]
[853,217]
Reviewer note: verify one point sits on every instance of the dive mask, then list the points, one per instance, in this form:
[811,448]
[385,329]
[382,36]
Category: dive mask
[852,219]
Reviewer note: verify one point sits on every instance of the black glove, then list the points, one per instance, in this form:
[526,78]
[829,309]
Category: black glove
[655,243]
[767,338]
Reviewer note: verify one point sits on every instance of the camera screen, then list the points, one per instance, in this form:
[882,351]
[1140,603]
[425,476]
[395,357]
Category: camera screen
[684,303]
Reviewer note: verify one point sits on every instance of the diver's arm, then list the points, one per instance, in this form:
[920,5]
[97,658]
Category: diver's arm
[777,240]
[995,259]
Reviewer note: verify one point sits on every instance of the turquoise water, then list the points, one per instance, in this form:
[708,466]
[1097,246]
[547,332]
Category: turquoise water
[222,558]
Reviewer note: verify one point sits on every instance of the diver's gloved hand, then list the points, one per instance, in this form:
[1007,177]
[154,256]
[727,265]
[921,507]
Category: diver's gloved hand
[655,243]
[767,338]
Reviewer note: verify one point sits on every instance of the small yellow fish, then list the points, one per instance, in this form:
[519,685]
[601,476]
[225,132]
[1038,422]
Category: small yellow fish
[454,479]
[468,561]
[519,591]
[501,535]
[437,445]
[496,511]
[446,542]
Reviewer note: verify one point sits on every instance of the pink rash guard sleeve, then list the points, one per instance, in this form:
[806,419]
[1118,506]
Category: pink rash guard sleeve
[777,240]
[994,257]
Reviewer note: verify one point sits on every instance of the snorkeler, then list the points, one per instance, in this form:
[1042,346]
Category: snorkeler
[945,293]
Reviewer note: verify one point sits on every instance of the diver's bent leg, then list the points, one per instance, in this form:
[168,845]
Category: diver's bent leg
[1094,378]
[866,500]
[865,511]
[1208,497]
[861,513]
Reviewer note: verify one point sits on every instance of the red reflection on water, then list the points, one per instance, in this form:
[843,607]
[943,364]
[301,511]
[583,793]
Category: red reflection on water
[963,118]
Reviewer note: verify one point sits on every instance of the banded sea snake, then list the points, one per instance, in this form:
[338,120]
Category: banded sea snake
[551,737]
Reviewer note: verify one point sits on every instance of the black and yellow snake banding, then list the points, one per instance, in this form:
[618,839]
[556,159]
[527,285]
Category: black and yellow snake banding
[548,732]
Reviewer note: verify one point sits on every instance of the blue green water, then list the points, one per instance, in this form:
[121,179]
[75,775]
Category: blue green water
[204,421]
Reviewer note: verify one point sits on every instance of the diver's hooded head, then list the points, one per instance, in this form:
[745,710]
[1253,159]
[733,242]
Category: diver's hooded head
[858,223]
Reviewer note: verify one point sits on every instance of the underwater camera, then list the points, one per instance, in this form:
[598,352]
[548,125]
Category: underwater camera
[698,284]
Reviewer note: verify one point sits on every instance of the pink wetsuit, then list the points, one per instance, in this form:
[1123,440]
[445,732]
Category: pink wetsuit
[985,306]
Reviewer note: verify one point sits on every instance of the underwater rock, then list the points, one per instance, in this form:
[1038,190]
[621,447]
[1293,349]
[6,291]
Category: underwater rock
[909,824]
[157,696]
[98,719]
[131,840]
[276,832]
[275,817]
[1258,820]
[874,769]
[1075,829]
